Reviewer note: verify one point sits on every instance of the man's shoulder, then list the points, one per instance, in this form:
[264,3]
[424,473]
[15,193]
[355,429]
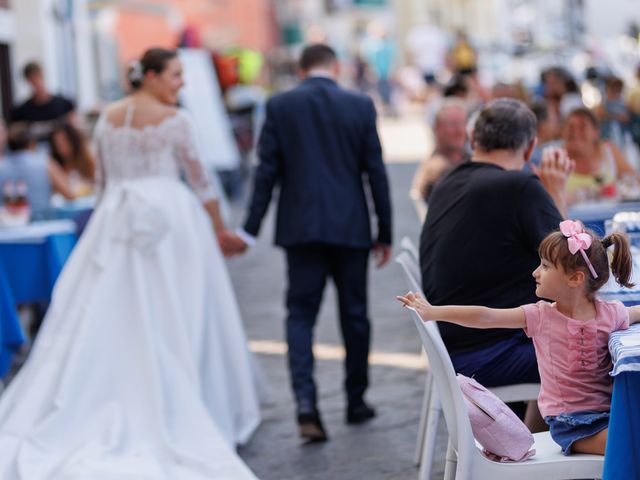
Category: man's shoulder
[308,88]
[62,100]
[25,105]
[509,179]
[339,95]
[353,97]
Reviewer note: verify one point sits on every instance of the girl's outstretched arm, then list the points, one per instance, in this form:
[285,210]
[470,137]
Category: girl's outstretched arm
[467,316]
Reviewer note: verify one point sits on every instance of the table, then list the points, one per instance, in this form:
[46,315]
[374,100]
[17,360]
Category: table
[621,459]
[11,336]
[78,210]
[594,214]
[31,258]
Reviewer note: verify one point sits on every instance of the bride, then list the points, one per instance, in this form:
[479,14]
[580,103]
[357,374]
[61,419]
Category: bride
[141,370]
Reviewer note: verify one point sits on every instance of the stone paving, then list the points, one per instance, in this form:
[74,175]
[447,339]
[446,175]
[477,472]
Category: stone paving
[380,449]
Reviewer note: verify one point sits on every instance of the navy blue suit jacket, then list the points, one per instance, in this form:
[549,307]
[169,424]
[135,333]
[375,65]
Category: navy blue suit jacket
[318,143]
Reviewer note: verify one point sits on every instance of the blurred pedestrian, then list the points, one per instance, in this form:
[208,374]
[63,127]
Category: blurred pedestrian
[427,44]
[317,142]
[462,56]
[379,52]
[561,91]
[548,132]
[43,110]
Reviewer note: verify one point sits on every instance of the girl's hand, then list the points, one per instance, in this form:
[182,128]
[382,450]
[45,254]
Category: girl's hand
[418,303]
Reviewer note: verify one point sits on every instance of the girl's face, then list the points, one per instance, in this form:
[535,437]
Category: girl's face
[166,84]
[550,280]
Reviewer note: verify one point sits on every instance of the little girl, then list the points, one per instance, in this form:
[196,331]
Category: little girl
[570,335]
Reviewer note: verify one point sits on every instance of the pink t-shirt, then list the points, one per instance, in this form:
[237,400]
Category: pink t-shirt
[573,356]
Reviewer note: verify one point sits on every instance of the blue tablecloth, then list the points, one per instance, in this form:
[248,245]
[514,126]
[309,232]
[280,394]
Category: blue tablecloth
[621,460]
[31,259]
[78,210]
[593,215]
[33,268]
[11,336]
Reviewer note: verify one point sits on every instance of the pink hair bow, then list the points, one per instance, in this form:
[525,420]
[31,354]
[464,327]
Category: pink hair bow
[578,240]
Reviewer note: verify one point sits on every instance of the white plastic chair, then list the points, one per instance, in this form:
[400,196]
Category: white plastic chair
[464,459]
[431,406]
[411,270]
[430,411]
[407,245]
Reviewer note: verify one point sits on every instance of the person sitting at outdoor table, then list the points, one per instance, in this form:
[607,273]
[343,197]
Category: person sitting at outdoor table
[450,151]
[548,131]
[613,113]
[69,149]
[599,163]
[26,163]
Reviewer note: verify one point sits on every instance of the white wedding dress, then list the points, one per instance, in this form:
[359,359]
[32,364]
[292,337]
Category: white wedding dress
[141,369]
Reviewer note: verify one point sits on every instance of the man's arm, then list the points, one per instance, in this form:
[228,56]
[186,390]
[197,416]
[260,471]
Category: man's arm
[266,176]
[374,167]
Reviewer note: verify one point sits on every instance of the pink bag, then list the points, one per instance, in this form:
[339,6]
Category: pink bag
[500,432]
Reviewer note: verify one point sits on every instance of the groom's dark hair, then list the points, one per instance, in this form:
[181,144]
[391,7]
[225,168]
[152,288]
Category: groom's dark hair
[317,55]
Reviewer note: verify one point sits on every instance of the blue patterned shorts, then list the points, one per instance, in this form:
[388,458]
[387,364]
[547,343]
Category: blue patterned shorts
[566,428]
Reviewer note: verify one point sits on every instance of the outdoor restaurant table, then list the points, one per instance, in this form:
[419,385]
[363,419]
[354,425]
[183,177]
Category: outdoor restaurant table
[594,214]
[11,336]
[31,258]
[621,460]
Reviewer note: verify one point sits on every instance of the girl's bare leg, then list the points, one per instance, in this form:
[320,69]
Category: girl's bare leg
[594,444]
[533,420]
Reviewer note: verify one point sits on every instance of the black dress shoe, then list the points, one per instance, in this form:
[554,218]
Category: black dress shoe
[310,426]
[360,414]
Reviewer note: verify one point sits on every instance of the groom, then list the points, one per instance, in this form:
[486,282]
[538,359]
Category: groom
[317,143]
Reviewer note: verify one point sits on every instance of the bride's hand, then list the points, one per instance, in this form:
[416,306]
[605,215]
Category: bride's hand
[230,243]
[418,303]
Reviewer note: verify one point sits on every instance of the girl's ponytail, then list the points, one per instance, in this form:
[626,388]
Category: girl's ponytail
[622,262]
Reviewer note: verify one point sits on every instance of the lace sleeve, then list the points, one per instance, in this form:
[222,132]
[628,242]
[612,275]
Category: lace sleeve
[96,146]
[189,159]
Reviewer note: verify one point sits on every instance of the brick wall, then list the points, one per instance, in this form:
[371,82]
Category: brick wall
[247,23]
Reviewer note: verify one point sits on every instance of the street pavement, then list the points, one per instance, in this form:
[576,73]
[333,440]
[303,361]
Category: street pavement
[380,449]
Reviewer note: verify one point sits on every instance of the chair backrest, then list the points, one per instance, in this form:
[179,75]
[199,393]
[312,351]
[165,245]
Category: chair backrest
[408,245]
[453,405]
[411,270]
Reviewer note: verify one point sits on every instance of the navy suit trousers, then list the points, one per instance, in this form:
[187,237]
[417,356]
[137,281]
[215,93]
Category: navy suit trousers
[309,267]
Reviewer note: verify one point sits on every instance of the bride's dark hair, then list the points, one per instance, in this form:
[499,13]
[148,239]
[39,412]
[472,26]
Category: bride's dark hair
[154,59]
